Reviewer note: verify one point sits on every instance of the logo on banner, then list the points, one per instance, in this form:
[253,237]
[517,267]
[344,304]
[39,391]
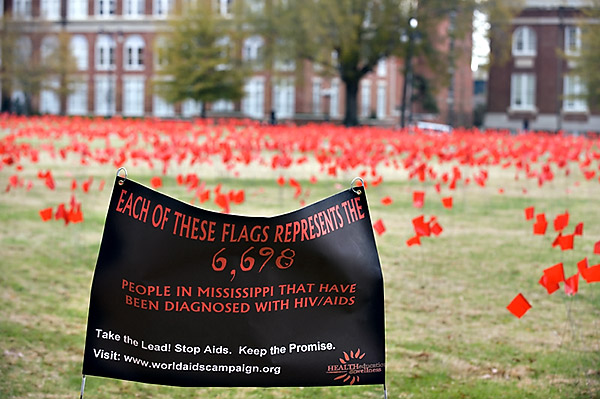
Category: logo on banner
[350,367]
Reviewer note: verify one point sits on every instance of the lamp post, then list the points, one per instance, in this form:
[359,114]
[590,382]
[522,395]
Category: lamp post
[413,23]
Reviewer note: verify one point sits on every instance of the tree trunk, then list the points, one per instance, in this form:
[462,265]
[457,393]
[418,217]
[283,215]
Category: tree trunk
[351,115]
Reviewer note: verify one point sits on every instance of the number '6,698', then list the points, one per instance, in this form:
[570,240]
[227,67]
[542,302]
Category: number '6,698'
[248,259]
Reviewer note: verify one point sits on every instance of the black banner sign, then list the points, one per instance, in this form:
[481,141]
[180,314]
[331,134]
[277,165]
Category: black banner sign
[189,297]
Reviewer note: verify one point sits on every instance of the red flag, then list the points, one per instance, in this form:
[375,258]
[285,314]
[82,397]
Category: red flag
[582,266]
[418,199]
[416,240]
[555,274]
[379,227]
[421,228]
[386,201]
[529,211]
[73,185]
[561,221]
[223,201]
[572,284]
[156,182]
[566,242]
[597,248]
[579,229]
[550,287]
[593,274]
[85,186]
[46,214]
[539,228]
[519,306]
[281,181]
[436,229]
[447,202]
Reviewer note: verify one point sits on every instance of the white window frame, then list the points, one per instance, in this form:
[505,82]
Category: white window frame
[106,8]
[105,95]
[161,108]
[572,40]
[334,101]
[253,103]
[382,67]
[105,53]
[191,108]
[524,41]
[134,94]
[222,106]
[381,99]
[80,49]
[50,9]
[523,92]
[49,101]
[284,98]
[77,102]
[22,9]
[365,99]
[317,95]
[133,9]
[134,53]
[574,86]
[162,8]
[252,49]
[48,46]
[225,7]
[77,9]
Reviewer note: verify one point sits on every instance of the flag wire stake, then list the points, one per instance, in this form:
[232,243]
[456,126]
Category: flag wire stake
[82,386]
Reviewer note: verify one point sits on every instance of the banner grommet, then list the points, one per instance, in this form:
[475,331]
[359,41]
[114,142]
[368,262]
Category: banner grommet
[124,177]
[357,189]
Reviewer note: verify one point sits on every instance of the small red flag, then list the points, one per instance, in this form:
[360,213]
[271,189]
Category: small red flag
[555,274]
[436,229]
[550,287]
[561,221]
[421,228]
[156,182]
[418,199]
[579,229]
[281,181]
[386,201]
[379,227]
[566,242]
[519,306]
[597,248]
[447,202]
[416,240]
[539,228]
[529,211]
[46,214]
[572,284]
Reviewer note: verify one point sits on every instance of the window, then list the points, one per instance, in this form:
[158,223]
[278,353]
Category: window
[162,8]
[105,8]
[365,98]
[381,100]
[160,51]
[105,52]
[574,90]
[48,46]
[50,9]
[190,108]
[22,9]
[77,9]
[133,95]
[252,50]
[133,8]
[316,96]
[253,103]
[572,40]
[79,49]
[522,91]
[105,95]
[222,106]
[49,101]
[78,99]
[382,68]
[225,7]
[334,105]
[133,53]
[284,98]
[162,108]
[23,54]
[524,42]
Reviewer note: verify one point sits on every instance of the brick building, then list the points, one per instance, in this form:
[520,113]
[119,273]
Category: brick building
[115,43]
[535,87]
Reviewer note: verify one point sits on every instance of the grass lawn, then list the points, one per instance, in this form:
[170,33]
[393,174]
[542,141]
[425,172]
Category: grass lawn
[449,334]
